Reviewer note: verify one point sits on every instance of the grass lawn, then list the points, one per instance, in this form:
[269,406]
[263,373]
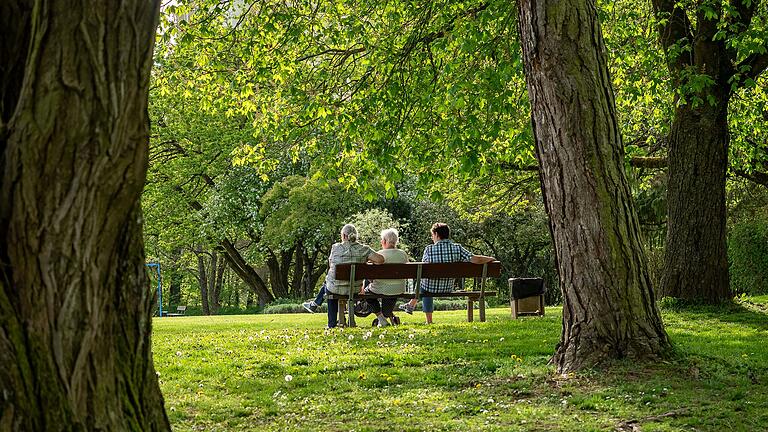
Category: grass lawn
[285,372]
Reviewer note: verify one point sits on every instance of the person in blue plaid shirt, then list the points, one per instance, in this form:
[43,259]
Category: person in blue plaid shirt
[442,249]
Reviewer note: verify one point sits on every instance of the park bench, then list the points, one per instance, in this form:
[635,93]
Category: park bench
[180,311]
[416,271]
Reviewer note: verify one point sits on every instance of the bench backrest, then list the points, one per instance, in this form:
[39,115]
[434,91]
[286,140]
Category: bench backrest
[411,270]
[181,309]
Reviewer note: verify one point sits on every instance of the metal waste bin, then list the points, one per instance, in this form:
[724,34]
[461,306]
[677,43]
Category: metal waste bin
[526,296]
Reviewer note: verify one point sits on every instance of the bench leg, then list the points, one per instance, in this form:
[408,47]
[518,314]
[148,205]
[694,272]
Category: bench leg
[482,309]
[351,307]
[514,309]
[541,305]
[470,310]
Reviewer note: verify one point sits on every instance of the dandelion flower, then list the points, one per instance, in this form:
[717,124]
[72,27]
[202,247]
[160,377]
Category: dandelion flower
[288,378]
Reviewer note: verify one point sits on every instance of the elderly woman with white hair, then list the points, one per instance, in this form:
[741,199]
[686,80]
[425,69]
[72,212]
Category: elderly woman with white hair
[392,287]
[349,250]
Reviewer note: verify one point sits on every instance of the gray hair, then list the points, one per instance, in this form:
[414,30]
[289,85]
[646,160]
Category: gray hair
[390,235]
[350,231]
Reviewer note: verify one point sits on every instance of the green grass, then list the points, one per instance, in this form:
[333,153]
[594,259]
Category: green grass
[285,372]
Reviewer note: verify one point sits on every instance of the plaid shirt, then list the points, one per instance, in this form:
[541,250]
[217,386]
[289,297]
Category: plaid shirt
[344,253]
[443,251]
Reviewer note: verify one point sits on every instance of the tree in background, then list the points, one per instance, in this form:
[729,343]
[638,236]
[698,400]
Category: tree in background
[713,49]
[609,309]
[75,300]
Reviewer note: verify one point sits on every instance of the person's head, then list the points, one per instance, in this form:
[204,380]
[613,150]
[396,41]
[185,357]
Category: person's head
[389,238]
[349,232]
[440,231]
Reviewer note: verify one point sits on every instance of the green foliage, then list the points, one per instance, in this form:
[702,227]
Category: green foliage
[748,256]
[284,372]
[310,211]
[372,222]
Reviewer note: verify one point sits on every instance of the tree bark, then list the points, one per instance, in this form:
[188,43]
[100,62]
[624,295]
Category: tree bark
[202,281]
[246,272]
[696,263]
[696,260]
[279,270]
[217,280]
[312,273]
[609,309]
[75,300]
[175,278]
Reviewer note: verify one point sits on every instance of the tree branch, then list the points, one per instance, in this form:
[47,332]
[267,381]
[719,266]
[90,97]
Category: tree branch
[757,63]
[674,26]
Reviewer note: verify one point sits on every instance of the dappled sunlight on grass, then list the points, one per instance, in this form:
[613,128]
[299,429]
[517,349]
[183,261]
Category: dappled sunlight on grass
[286,372]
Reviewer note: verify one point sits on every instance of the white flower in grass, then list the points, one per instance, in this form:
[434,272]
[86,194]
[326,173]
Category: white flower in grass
[288,378]
[178,353]
[351,337]
[501,339]
[410,336]
[250,338]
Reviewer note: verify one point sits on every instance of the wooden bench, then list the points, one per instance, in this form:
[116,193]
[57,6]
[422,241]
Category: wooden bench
[416,271]
[180,311]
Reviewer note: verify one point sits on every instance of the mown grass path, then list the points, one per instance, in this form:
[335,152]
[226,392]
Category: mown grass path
[285,372]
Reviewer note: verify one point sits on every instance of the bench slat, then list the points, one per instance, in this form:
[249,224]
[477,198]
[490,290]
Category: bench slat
[409,270]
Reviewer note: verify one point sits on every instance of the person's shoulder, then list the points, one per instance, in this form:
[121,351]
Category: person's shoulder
[403,255]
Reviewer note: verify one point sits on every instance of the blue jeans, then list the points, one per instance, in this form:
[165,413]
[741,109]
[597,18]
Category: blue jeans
[320,295]
[333,312]
[427,303]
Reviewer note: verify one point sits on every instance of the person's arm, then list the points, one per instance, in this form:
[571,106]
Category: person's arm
[481,259]
[376,258]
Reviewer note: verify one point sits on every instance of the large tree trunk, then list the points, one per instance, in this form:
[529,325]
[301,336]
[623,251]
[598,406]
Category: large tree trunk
[75,301]
[696,260]
[696,263]
[609,309]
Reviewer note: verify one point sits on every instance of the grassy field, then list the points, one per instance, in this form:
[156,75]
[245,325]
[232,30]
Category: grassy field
[285,372]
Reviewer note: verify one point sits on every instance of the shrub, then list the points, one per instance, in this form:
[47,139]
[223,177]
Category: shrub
[748,257]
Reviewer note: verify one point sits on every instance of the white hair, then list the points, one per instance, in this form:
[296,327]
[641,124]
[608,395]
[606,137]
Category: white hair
[350,231]
[390,235]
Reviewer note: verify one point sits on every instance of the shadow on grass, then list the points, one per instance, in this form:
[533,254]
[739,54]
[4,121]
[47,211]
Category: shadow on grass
[748,314]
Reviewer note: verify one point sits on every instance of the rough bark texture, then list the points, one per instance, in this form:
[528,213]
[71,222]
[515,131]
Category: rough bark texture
[609,309]
[75,301]
[696,264]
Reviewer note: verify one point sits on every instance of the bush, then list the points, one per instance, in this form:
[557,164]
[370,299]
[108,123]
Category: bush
[748,257]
